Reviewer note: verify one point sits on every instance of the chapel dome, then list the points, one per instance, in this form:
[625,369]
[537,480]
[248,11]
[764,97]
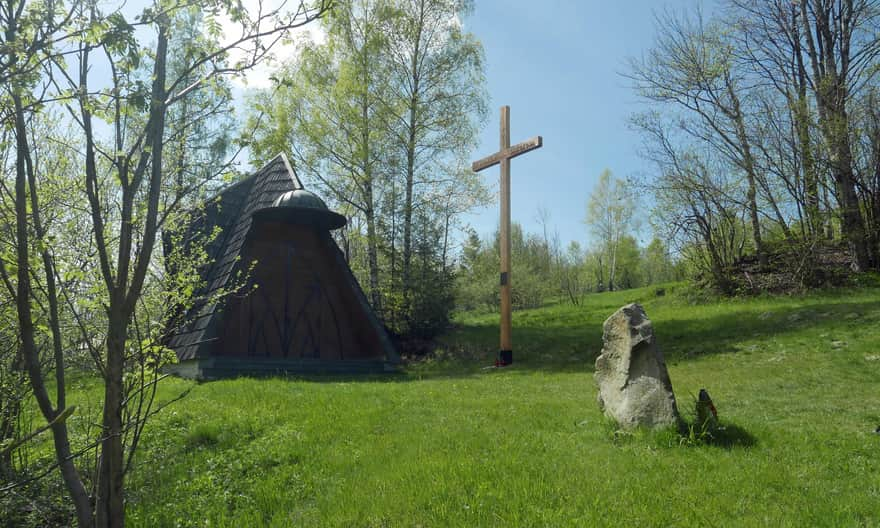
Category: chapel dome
[300,198]
[302,207]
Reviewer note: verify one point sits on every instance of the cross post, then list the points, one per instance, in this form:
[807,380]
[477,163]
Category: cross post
[503,157]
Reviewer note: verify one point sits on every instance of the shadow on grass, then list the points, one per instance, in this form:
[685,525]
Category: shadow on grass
[686,338]
[731,435]
[570,341]
[726,436]
[390,377]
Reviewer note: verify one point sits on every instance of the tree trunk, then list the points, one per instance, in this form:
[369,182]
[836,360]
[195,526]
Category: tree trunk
[776,211]
[373,259]
[831,97]
[408,209]
[51,288]
[748,165]
[802,127]
[716,264]
[110,502]
[613,269]
[853,226]
[811,186]
[370,217]
[873,207]
[26,327]
[412,126]
[835,128]
[447,215]
[827,217]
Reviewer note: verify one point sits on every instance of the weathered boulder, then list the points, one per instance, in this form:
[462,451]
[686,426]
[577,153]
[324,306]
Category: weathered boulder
[634,386]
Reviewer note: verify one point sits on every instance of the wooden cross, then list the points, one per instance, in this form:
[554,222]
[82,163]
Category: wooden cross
[503,157]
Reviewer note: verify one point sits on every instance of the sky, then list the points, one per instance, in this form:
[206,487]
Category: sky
[558,65]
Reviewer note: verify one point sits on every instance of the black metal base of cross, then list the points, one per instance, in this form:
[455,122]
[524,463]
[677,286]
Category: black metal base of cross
[505,357]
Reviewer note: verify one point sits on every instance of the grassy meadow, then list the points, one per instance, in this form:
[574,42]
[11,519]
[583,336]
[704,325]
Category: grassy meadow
[448,443]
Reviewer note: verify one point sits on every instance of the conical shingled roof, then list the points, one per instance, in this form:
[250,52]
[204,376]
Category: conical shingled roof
[272,187]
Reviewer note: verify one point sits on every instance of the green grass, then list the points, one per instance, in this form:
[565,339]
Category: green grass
[450,444]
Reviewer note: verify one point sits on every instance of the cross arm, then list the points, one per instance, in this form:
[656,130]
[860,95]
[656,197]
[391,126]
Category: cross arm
[508,153]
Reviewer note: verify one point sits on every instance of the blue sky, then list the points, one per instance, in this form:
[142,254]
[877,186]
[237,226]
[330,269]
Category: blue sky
[557,64]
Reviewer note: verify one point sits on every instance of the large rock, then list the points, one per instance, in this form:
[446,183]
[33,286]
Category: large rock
[634,386]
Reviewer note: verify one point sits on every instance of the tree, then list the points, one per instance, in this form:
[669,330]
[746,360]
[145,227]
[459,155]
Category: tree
[629,264]
[841,41]
[693,192]
[572,273]
[610,210]
[690,66]
[779,91]
[328,108]
[770,43]
[438,103]
[831,46]
[474,284]
[29,34]
[477,277]
[129,197]
[657,266]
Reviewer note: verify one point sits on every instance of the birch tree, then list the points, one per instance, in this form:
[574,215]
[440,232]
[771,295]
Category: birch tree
[438,104]
[610,211]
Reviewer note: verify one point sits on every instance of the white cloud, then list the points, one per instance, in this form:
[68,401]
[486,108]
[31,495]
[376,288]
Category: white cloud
[282,51]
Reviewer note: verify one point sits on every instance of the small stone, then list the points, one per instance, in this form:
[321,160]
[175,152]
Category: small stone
[872,358]
[707,415]
[634,385]
[838,344]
